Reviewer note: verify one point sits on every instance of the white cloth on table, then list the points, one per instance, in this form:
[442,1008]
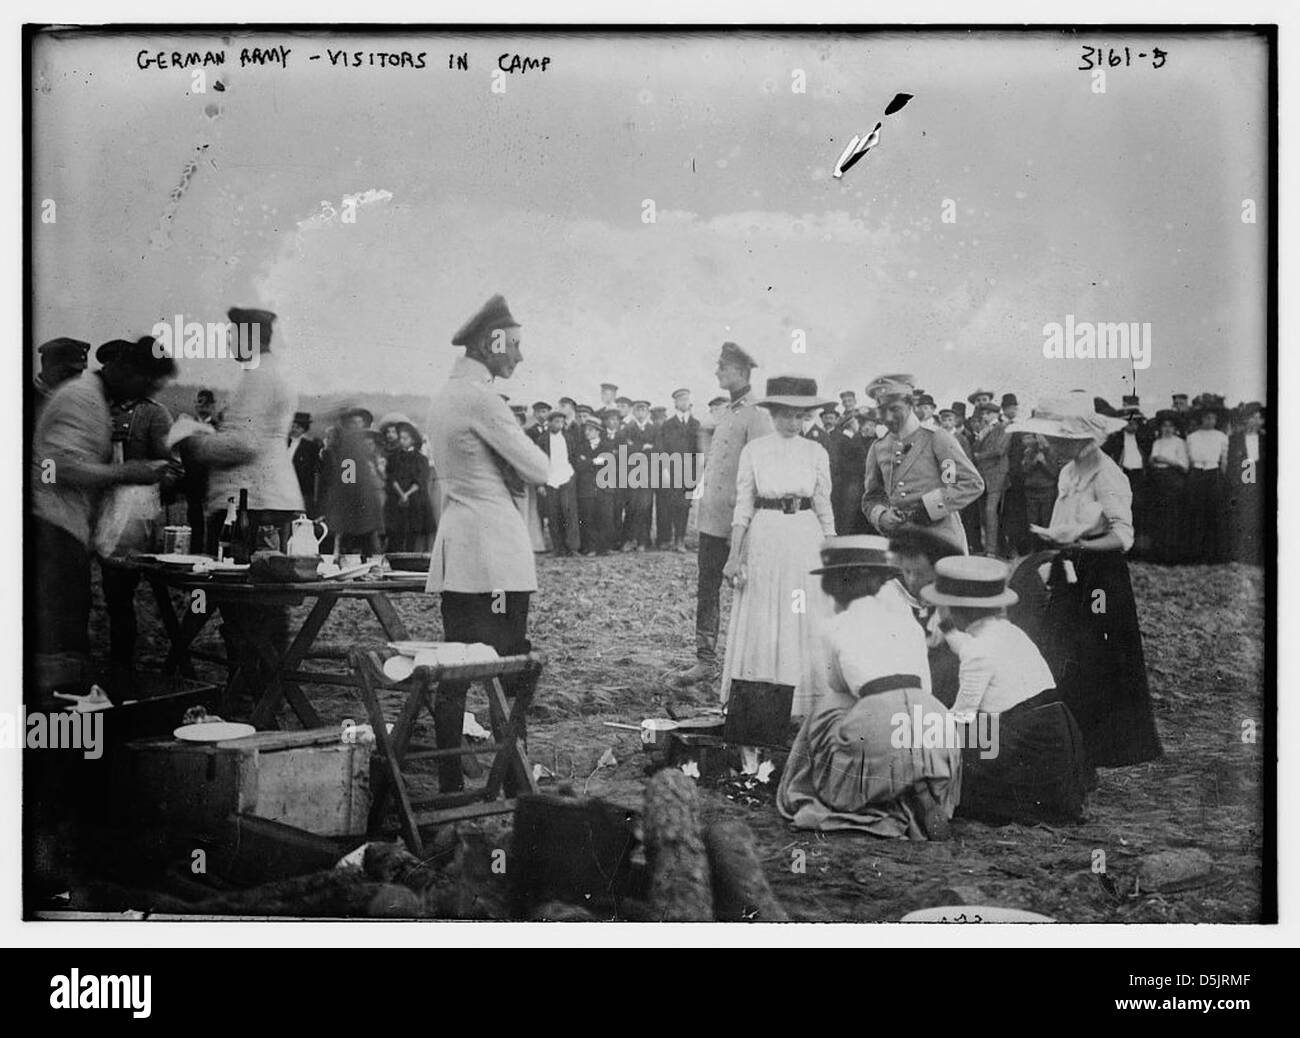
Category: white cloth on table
[780,604]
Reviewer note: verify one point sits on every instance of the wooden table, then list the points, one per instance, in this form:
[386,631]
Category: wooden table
[253,642]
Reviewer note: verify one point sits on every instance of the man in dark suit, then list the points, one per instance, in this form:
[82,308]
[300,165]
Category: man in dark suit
[639,437]
[849,445]
[678,442]
[560,444]
[1129,448]
[539,427]
[305,453]
[814,430]
[1244,482]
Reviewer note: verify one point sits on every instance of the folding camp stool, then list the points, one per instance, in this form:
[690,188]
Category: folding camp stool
[396,751]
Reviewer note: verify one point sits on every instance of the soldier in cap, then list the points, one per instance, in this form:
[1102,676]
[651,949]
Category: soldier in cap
[61,359]
[140,428]
[482,558]
[741,422]
[73,441]
[915,476]
[248,451]
[608,394]
[849,401]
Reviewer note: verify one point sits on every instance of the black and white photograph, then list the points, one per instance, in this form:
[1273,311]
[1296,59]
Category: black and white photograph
[643,474]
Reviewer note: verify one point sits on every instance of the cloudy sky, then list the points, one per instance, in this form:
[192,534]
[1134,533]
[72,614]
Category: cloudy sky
[1122,206]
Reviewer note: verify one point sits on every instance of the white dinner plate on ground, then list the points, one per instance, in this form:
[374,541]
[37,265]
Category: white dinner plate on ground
[974,914]
[213,731]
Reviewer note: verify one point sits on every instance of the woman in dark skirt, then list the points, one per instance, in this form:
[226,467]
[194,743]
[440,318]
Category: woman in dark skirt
[1091,635]
[408,510]
[1167,502]
[1023,758]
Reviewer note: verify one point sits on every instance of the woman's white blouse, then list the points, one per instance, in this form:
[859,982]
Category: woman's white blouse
[1173,450]
[1102,483]
[784,466]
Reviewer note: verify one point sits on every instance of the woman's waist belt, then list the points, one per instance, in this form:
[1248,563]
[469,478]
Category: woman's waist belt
[788,505]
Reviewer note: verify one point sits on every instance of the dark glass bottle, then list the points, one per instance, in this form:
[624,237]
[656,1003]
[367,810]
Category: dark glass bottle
[243,530]
[226,540]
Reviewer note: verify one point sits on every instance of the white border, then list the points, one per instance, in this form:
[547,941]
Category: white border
[13,932]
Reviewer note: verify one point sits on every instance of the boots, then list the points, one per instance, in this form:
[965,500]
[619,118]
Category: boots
[705,669]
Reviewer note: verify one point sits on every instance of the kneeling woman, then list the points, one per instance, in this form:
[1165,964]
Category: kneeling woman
[1023,760]
[854,764]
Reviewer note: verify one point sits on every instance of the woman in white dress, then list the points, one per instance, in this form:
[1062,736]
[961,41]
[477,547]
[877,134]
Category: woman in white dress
[783,514]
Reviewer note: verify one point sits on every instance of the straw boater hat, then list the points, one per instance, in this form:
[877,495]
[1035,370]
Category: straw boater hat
[979,393]
[1068,418]
[793,391]
[970,582]
[858,551]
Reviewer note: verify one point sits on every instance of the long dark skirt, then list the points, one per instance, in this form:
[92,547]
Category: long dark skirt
[1094,647]
[1039,772]
[1245,519]
[1166,513]
[1137,482]
[1205,541]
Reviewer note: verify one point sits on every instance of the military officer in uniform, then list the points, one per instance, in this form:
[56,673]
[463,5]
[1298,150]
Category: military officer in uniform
[915,476]
[482,559]
[741,421]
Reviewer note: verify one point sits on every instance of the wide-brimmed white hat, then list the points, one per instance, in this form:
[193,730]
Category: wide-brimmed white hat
[1072,417]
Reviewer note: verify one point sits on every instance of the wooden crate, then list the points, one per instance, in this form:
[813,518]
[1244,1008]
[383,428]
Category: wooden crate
[309,780]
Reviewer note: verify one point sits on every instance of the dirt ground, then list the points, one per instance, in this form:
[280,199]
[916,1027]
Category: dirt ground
[613,627]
